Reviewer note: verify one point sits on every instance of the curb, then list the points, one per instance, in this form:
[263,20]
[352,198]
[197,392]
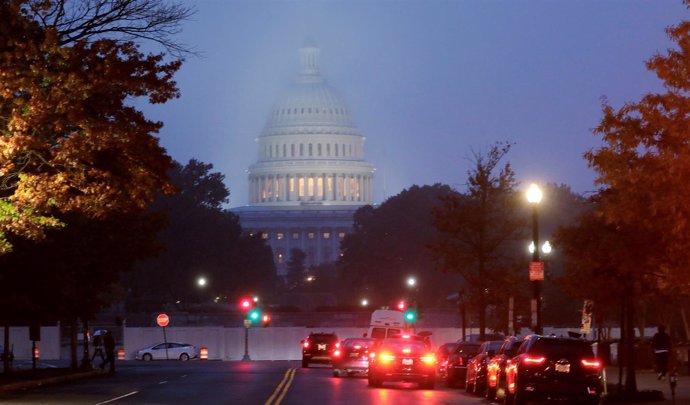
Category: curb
[49,381]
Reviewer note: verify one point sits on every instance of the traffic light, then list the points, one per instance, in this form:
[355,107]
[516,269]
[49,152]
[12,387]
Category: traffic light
[246,304]
[254,315]
[410,316]
[402,305]
[265,320]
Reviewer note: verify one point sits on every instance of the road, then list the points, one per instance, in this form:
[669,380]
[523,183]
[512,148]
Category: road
[217,382]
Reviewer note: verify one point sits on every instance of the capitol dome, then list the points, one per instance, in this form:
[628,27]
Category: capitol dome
[310,150]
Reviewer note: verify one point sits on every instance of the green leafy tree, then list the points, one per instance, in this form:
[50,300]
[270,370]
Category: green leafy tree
[479,231]
[391,242]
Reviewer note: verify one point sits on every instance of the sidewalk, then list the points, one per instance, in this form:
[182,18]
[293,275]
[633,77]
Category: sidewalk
[647,380]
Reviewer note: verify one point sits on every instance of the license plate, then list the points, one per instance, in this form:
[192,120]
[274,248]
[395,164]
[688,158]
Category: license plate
[354,354]
[407,362]
[563,368]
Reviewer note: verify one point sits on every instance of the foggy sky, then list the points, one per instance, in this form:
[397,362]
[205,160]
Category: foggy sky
[428,82]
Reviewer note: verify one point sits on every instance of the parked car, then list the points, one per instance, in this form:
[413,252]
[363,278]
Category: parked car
[456,369]
[476,337]
[496,369]
[318,347]
[475,378]
[402,359]
[554,368]
[170,350]
[442,354]
[352,357]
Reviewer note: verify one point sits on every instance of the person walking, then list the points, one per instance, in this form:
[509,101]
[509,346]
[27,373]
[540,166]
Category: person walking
[661,344]
[109,344]
[98,348]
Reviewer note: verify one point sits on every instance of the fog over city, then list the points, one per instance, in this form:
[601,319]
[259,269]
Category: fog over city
[428,82]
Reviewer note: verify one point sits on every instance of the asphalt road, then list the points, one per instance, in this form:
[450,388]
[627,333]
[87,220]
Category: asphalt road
[217,382]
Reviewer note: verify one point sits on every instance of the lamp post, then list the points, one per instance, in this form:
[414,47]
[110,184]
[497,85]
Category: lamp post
[534,196]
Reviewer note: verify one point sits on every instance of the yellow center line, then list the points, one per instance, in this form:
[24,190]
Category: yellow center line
[282,387]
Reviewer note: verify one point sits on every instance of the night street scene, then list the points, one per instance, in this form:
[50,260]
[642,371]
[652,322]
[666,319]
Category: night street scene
[344,202]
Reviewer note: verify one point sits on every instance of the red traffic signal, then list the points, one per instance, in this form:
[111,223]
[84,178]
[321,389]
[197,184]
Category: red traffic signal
[402,305]
[265,319]
[246,304]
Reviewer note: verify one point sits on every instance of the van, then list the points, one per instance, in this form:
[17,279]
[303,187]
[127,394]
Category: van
[387,323]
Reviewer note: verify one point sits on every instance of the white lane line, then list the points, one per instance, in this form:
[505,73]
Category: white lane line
[118,398]
[163,382]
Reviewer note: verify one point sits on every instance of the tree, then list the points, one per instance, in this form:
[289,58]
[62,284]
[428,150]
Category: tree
[200,238]
[296,268]
[642,170]
[390,243]
[477,230]
[70,142]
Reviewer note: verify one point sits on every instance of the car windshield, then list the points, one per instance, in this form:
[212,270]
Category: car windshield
[400,346]
[562,348]
[467,348]
[362,343]
[323,338]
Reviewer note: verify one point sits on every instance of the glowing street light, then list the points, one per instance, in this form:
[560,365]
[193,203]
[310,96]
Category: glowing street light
[546,248]
[411,281]
[364,302]
[201,281]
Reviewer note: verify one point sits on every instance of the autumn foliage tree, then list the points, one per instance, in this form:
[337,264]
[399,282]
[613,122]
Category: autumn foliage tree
[642,171]
[72,150]
[68,140]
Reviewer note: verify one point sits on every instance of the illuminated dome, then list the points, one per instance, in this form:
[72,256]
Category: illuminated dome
[310,151]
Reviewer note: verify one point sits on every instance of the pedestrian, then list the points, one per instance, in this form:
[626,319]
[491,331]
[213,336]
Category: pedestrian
[98,348]
[661,344]
[109,344]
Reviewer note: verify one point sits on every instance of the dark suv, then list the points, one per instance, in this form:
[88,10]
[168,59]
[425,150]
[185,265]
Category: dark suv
[318,347]
[547,367]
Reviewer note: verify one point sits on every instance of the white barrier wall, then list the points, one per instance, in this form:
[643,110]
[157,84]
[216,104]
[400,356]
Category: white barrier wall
[48,346]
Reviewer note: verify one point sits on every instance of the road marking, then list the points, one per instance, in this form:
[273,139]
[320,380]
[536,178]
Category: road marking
[282,388]
[118,398]
[163,382]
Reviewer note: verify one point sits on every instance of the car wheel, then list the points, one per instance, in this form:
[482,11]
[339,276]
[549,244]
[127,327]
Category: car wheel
[450,383]
[184,357]
[468,385]
[305,363]
[336,373]
[373,381]
[147,357]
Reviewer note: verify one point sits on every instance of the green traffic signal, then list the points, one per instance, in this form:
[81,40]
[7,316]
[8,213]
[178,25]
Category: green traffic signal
[410,316]
[254,315]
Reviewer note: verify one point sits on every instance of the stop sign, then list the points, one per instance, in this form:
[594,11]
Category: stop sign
[162,320]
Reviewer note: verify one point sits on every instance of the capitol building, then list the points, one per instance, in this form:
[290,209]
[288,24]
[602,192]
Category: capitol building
[310,175]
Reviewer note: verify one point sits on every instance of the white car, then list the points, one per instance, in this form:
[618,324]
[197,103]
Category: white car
[175,351]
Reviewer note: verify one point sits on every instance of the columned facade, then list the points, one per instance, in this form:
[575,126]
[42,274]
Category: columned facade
[310,175]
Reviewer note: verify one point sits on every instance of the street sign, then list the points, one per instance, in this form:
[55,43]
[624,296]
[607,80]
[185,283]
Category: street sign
[536,271]
[162,320]
[247,323]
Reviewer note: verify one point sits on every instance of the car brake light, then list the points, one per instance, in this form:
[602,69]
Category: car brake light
[337,353]
[534,360]
[428,359]
[407,350]
[357,347]
[306,344]
[337,345]
[593,363]
[386,357]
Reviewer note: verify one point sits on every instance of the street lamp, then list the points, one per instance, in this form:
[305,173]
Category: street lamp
[411,281]
[201,281]
[534,196]
[364,302]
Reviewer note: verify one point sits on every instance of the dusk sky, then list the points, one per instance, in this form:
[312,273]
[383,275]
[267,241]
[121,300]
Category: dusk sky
[428,82]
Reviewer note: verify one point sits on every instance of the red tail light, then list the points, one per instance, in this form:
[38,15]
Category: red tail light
[337,345]
[533,360]
[386,357]
[591,363]
[337,353]
[429,359]
[305,344]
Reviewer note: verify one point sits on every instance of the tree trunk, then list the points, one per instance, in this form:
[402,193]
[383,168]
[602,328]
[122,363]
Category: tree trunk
[73,343]
[6,342]
[630,380]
